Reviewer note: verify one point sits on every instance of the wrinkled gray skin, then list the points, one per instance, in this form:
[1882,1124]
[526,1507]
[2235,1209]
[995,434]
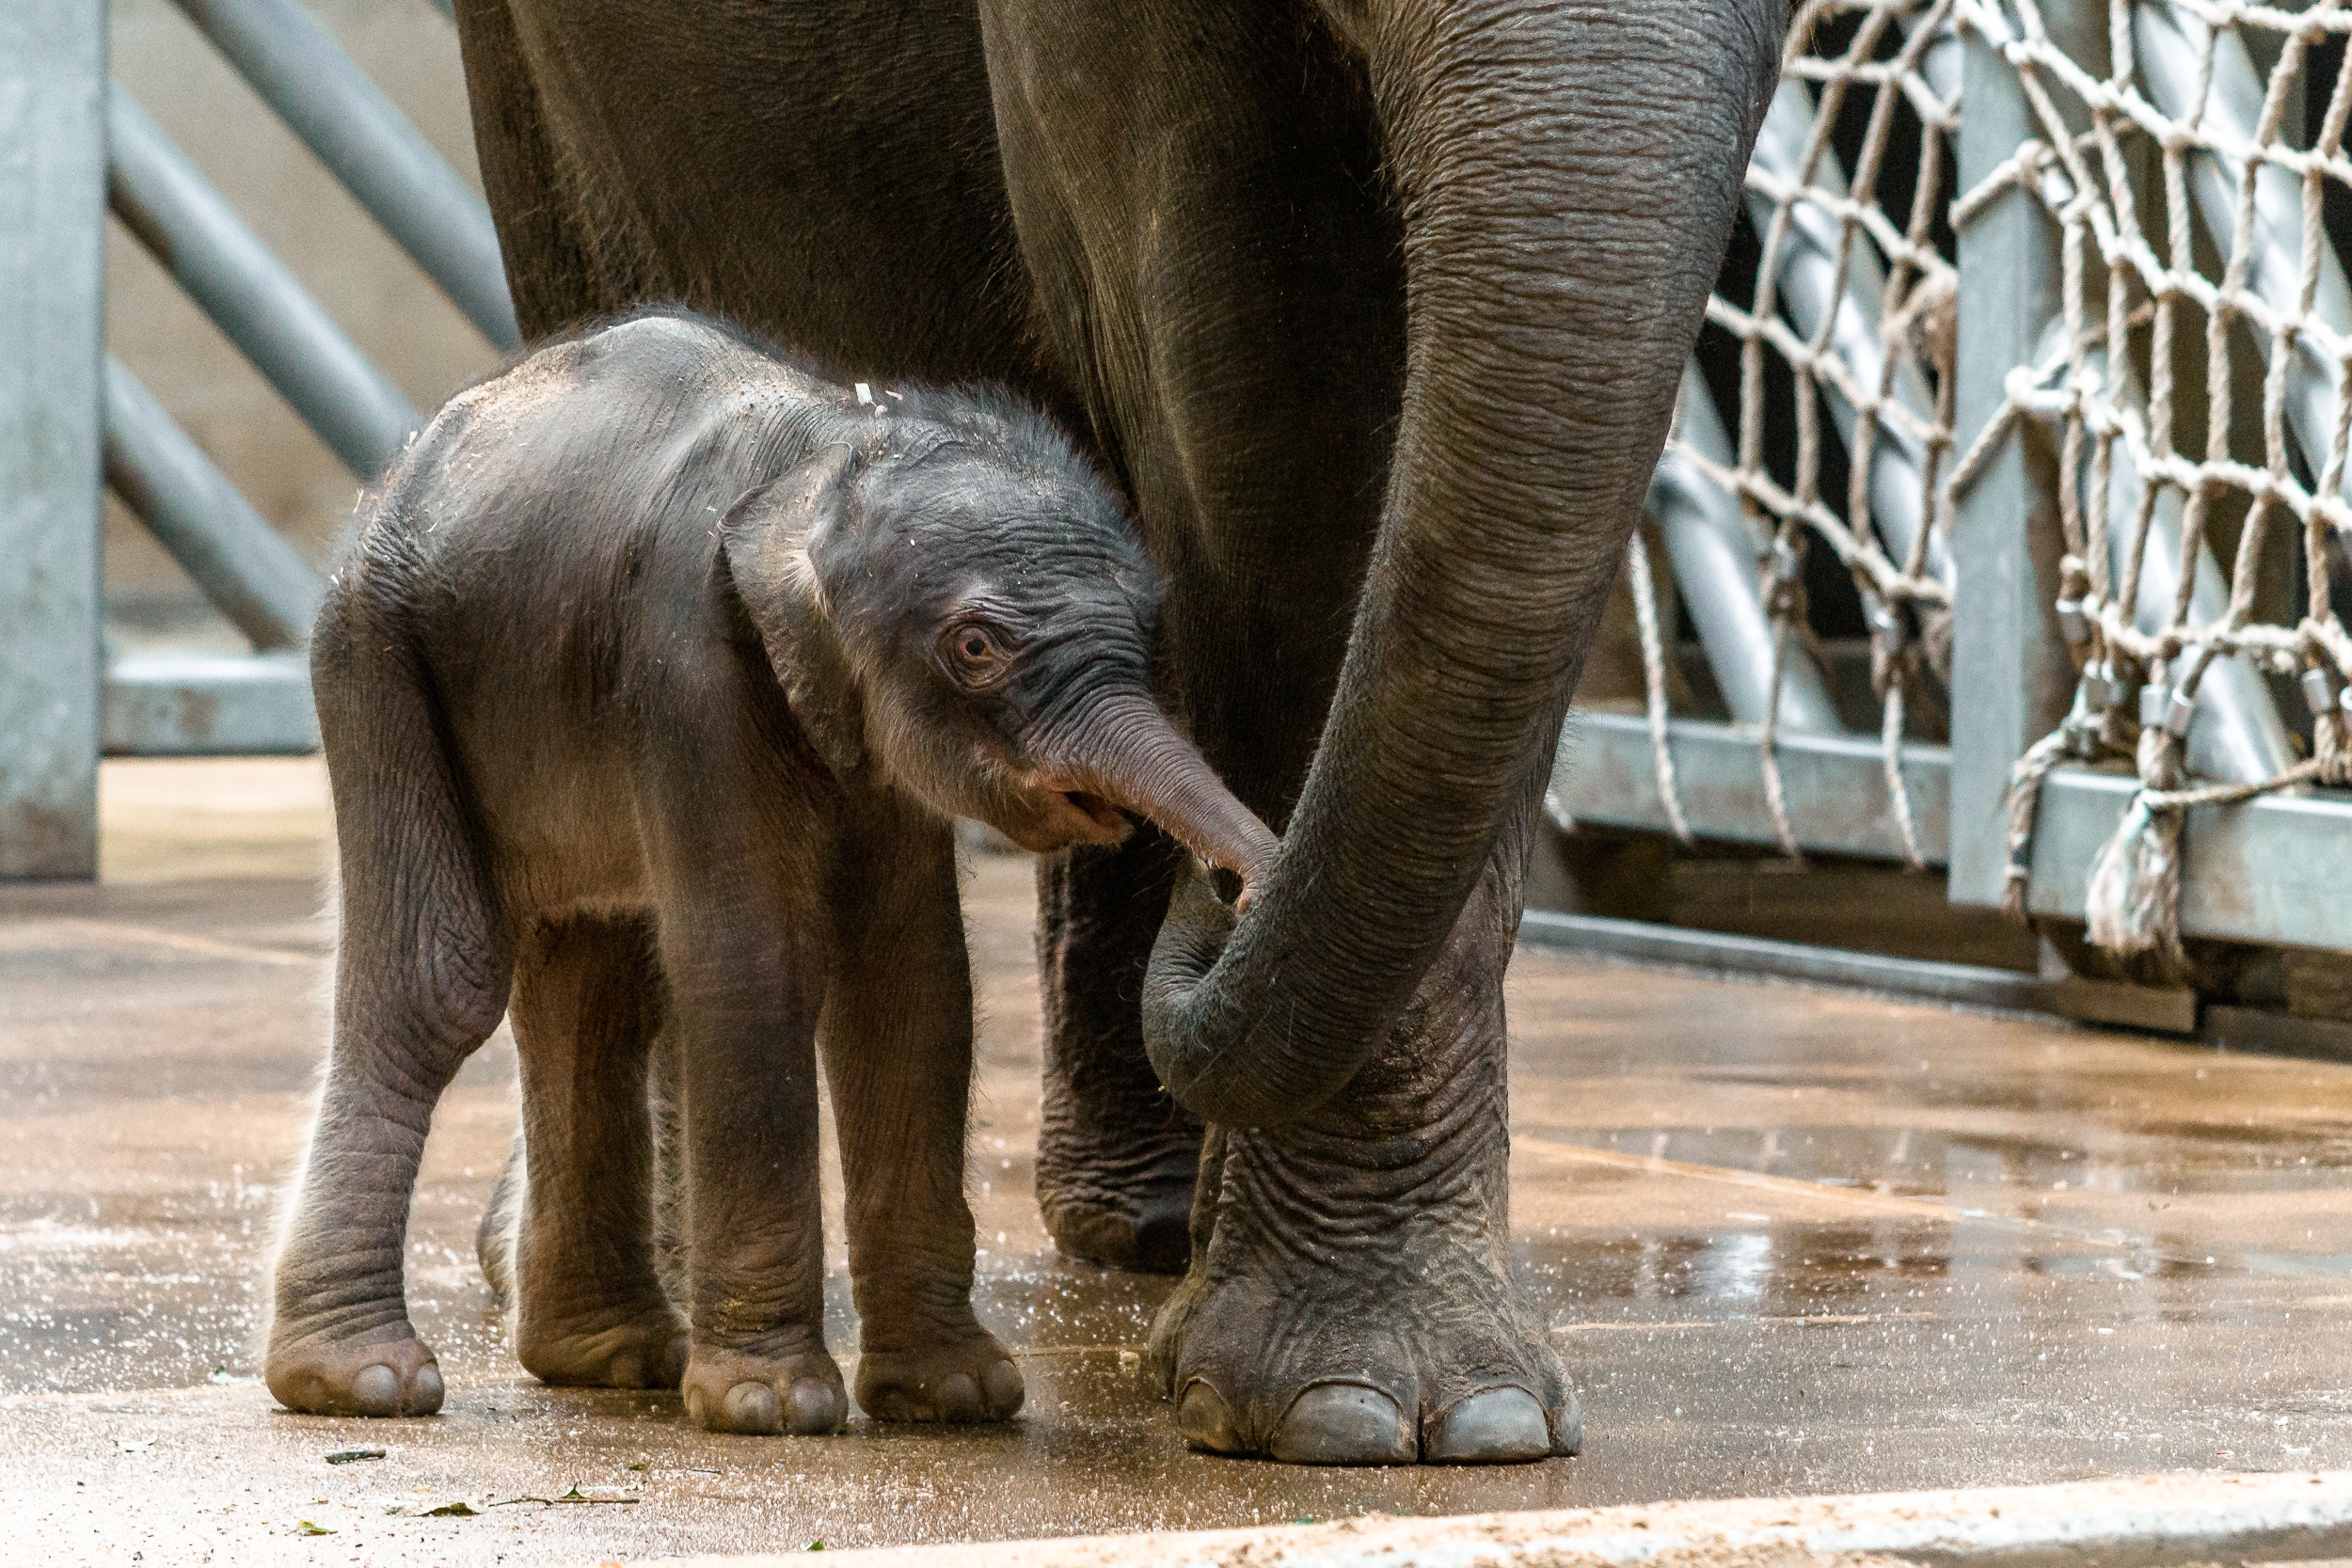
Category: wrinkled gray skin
[1375,309]
[647,696]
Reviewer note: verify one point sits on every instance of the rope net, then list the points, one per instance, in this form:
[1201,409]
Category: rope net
[1840,323]
[2185,151]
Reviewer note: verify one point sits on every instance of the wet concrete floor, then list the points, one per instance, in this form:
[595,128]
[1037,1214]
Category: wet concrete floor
[1791,1240]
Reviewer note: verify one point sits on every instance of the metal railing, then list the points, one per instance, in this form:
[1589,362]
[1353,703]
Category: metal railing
[1893,334]
[71,416]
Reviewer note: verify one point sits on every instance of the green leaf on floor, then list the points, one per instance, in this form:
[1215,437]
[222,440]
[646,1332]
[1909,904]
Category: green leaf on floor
[304,1527]
[458,1510]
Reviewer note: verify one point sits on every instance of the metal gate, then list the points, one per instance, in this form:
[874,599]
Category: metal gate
[2096,594]
[71,417]
[1943,575]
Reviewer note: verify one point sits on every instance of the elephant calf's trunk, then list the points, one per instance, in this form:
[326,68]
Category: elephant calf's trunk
[1124,751]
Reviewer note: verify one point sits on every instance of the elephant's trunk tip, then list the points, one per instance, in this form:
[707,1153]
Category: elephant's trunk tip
[1126,751]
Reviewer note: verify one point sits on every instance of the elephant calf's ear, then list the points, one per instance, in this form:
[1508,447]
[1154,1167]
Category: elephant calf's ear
[766,537]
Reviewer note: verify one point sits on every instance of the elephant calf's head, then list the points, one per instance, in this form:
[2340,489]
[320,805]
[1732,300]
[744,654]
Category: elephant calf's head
[955,601]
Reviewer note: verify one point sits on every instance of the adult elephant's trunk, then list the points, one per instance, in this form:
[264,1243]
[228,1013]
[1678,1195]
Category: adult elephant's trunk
[1124,750]
[1567,175]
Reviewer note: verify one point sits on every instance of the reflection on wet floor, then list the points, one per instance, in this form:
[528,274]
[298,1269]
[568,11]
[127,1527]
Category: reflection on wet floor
[1789,1239]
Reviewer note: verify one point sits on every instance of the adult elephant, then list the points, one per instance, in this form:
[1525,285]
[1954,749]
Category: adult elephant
[1375,309]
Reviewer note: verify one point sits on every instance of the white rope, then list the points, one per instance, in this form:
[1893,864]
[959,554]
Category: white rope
[2132,291]
[1654,680]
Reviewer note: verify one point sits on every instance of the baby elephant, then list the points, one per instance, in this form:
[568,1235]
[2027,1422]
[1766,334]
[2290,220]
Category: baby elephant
[660,668]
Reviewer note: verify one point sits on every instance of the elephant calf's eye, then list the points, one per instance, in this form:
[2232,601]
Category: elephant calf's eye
[974,654]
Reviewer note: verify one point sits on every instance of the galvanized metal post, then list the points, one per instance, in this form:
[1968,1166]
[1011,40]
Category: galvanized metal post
[53,216]
[2011,677]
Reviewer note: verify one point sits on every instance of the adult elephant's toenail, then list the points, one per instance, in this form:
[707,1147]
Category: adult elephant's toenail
[1005,1390]
[1201,1416]
[376,1391]
[890,1405]
[754,1408]
[813,1411]
[1567,1428]
[959,1398]
[424,1390]
[1344,1423]
[1494,1426]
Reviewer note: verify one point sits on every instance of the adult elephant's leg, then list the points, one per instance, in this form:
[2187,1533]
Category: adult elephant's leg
[1555,183]
[1117,1156]
[1351,1301]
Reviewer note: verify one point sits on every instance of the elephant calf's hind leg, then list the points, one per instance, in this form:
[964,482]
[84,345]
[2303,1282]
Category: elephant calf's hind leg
[420,981]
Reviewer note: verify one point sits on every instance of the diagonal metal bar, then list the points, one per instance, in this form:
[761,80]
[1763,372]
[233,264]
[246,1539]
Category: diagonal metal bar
[244,567]
[249,293]
[298,69]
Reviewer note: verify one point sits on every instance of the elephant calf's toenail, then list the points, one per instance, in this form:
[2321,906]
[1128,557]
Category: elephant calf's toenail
[424,1390]
[1005,1390]
[1494,1426]
[813,1411]
[754,1408]
[959,1398]
[376,1391]
[1344,1423]
[1204,1421]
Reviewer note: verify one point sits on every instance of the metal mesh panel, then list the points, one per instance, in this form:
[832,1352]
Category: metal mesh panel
[2189,175]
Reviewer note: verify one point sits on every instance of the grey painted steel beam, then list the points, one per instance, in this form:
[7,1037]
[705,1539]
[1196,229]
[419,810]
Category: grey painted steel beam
[1713,552]
[2172,1011]
[2273,870]
[244,567]
[369,145]
[2011,677]
[1835,785]
[264,309]
[179,705]
[53,224]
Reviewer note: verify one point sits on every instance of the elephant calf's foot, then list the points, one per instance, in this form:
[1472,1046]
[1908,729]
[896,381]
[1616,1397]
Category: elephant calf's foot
[386,1372]
[645,1349]
[1380,1381]
[797,1394]
[972,1380]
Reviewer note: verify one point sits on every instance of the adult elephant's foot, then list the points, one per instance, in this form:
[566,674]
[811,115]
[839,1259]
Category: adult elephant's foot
[972,1380]
[1352,1302]
[643,1346]
[790,1392]
[1116,1157]
[1122,1202]
[1381,1374]
[384,1370]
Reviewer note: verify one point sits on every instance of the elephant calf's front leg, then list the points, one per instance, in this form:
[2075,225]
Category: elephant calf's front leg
[744,1000]
[897,1038]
